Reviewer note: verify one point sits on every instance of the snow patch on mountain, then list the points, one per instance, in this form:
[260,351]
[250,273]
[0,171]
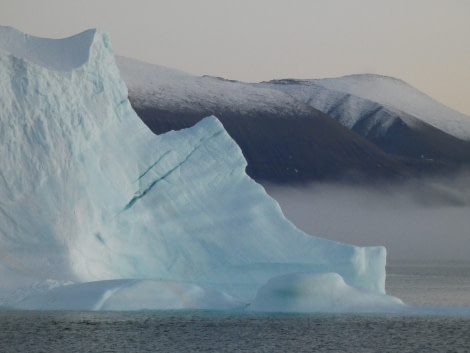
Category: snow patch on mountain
[178,91]
[362,92]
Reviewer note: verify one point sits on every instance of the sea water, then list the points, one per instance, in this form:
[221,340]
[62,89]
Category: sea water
[229,332]
[199,331]
[430,283]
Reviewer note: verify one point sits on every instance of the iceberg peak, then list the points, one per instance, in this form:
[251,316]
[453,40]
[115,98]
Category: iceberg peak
[65,54]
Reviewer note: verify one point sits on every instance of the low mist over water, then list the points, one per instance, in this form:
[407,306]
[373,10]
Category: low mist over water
[415,220]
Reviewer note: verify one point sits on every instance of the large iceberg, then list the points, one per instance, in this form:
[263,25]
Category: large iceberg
[97,212]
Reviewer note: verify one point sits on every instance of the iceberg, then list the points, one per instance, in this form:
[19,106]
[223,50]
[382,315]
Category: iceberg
[324,292]
[99,213]
[130,294]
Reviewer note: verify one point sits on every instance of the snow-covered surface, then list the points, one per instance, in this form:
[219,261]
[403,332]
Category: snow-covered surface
[347,98]
[178,91]
[346,108]
[97,212]
[361,94]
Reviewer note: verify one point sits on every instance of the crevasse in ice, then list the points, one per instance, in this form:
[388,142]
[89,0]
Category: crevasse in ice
[97,212]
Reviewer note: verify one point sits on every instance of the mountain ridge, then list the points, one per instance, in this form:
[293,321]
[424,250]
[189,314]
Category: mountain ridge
[274,137]
[287,142]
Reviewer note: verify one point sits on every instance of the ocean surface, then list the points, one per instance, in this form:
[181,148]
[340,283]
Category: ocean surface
[430,283]
[442,286]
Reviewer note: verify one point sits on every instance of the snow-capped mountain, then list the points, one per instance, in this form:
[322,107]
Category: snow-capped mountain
[285,140]
[97,212]
[388,112]
[176,91]
[398,95]
[282,138]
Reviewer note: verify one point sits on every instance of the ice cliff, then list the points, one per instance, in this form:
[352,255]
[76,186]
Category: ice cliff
[97,212]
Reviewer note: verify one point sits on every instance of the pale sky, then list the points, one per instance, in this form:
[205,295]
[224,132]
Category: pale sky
[424,42]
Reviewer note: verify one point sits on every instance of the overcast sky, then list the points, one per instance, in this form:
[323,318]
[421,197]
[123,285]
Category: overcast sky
[424,42]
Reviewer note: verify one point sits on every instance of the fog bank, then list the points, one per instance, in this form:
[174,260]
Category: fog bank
[417,220]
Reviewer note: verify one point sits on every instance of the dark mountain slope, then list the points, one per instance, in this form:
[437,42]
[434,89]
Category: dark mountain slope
[297,148]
